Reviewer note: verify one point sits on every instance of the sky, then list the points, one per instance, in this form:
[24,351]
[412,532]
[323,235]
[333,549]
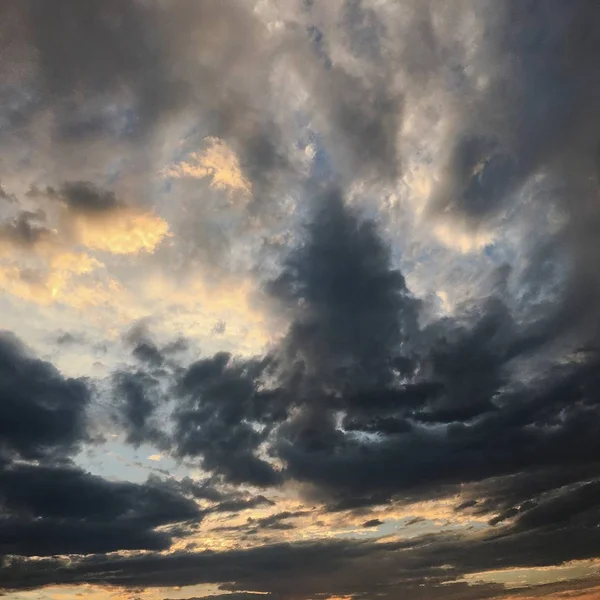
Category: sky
[299,299]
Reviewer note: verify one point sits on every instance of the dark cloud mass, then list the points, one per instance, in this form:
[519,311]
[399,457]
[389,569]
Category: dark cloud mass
[54,510]
[41,412]
[343,160]
[48,506]
[83,197]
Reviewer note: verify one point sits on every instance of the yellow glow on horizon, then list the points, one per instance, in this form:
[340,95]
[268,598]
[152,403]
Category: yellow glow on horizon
[99,592]
[532,576]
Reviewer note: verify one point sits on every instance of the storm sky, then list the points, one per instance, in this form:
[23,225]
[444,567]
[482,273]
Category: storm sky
[299,299]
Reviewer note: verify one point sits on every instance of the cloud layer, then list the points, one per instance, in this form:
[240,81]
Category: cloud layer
[302,298]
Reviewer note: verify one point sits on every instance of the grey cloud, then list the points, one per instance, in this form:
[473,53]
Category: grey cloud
[82,197]
[26,230]
[239,504]
[537,61]
[68,338]
[137,396]
[225,499]
[372,523]
[275,521]
[534,117]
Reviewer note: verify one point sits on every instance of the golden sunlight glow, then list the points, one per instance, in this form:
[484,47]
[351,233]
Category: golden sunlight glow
[219,162]
[98,592]
[565,594]
[15,282]
[60,282]
[124,231]
[518,577]
[455,236]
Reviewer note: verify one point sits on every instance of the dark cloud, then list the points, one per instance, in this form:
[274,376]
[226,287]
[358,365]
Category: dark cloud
[41,412]
[372,523]
[220,404]
[350,309]
[147,352]
[353,319]
[141,395]
[47,505]
[63,510]
[317,558]
[324,567]
[576,504]
[137,396]
[550,429]
[225,499]
[368,408]
[239,504]
[82,197]
[381,407]
[204,490]
[275,521]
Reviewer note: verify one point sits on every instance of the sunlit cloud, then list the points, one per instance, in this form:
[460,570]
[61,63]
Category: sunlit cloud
[228,311]
[219,162]
[123,231]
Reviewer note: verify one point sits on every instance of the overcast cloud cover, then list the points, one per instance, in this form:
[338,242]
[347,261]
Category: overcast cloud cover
[300,299]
